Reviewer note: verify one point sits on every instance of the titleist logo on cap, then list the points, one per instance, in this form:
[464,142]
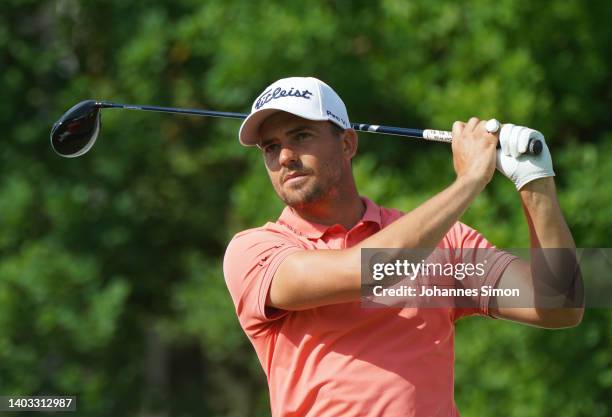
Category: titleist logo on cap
[269,95]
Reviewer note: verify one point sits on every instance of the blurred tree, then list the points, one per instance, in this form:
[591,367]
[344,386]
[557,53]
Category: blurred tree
[110,279]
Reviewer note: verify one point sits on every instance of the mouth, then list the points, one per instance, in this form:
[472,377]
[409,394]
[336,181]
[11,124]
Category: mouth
[293,177]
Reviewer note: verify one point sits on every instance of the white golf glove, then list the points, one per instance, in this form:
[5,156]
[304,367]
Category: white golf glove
[514,163]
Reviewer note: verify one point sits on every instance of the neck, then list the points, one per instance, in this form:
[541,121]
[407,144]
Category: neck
[344,208]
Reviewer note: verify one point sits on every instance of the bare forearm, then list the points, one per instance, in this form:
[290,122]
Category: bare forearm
[554,269]
[313,278]
[547,226]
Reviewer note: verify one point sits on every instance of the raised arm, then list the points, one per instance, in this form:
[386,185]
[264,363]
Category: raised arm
[313,278]
[547,229]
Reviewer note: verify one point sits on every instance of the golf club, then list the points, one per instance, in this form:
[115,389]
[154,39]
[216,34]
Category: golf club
[76,131]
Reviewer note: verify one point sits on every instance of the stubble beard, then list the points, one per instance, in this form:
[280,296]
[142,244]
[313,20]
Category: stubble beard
[304,197]
[312,192]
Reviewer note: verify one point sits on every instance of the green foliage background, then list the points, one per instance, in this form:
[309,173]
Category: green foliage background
[110,279]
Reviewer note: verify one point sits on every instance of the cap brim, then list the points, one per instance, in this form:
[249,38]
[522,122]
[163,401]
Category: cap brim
[250,127]
[249,131]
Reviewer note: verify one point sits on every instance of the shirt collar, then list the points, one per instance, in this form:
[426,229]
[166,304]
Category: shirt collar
[298,225]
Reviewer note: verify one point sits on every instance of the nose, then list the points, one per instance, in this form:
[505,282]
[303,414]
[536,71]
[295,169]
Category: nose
[287,156]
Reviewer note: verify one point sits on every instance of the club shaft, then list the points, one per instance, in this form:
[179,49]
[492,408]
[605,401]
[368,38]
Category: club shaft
[534,146]
[441,136]
[198,112]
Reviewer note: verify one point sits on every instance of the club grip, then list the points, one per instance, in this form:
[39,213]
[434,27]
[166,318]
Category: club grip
[534,146]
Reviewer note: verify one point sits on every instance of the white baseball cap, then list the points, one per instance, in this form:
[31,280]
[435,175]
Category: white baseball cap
[305,97]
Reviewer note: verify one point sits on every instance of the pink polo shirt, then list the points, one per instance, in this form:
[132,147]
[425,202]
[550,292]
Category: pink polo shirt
[342,359]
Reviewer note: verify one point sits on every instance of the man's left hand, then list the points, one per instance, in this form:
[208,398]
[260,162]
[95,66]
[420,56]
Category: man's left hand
[513,161]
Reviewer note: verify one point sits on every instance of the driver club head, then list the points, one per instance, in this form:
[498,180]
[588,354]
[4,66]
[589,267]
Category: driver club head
[77,130]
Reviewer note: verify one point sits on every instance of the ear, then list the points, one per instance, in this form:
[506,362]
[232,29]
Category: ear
[350,143]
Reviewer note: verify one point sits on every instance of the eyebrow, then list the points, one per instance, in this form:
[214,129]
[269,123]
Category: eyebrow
[298,129]
[291,131]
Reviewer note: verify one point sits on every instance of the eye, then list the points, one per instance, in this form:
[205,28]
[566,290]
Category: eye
[271,148]
[302,135]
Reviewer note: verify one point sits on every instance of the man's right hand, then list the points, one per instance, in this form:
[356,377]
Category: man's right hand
[474,152]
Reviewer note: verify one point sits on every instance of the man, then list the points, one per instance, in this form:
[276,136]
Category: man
[296,282]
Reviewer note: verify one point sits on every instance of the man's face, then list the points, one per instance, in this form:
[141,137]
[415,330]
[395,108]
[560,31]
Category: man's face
[304,158]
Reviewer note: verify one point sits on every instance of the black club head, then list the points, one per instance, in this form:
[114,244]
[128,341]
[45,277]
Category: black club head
[76,131]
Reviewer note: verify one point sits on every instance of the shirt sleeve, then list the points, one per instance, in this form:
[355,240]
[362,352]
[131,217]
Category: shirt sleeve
[471,246]
[250,262]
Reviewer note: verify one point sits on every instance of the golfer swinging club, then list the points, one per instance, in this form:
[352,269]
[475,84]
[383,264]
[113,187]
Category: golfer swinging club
[296,282]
